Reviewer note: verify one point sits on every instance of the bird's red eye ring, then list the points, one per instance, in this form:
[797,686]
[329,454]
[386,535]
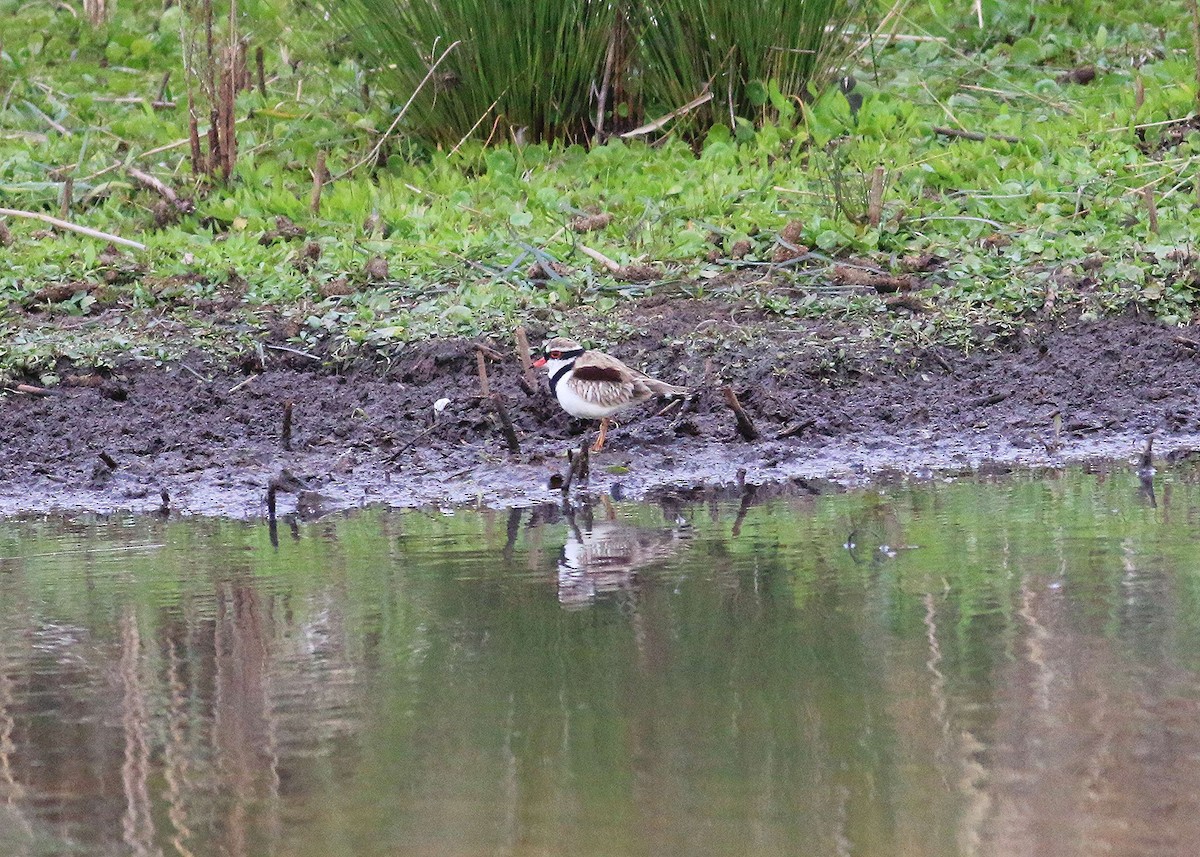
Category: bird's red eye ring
[554,355]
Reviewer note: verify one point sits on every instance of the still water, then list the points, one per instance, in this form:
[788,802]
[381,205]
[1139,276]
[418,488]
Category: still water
[1009,667]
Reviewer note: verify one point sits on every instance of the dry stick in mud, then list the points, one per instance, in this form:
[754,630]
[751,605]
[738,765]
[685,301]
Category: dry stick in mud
[485,389]
[286,435]
[577,467]
[29,390]
[510,434]
[528,378]
[745,425]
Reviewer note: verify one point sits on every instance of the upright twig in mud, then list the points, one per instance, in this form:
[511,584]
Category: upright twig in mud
[510,433]
[314,203]
[526,359]
[577,467]
[745,425]
[286,434]
[485,389]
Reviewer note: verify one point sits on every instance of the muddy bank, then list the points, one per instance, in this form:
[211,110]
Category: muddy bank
[210,436]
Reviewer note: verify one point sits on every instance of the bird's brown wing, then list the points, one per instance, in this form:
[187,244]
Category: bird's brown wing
[598,360]
[598,366]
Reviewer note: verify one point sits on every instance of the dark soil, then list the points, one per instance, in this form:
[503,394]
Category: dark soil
[210,436]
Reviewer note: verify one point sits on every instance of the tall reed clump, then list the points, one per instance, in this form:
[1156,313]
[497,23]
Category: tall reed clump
[579,69]
[754,59]
[521,67]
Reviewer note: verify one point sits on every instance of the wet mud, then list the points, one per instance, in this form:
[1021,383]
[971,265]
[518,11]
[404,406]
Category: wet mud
[830,410]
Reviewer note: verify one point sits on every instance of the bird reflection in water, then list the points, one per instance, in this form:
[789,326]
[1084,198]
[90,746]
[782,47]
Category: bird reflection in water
[603,557]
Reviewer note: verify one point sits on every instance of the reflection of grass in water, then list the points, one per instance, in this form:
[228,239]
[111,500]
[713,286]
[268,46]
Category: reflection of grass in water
[420,683]
[968,543]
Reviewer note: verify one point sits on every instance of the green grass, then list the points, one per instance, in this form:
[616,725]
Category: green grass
[521,66]
[1059,213]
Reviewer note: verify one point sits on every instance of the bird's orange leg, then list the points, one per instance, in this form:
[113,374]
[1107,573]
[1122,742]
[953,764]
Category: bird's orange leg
[599,444]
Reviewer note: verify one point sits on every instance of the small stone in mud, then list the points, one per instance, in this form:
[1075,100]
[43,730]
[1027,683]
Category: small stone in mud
[308,256]
[789,246]
[920,262]
[1082,75]
[100,475]
[284,230]
[590,222]
[847,275]
[639,273]
[376,269]
[336,288]
[58,292]
[114,391]
[539,272]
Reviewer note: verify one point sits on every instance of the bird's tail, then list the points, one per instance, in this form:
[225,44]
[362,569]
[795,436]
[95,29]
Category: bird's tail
[662,388]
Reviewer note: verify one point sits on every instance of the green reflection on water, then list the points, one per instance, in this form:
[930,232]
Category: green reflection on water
[924,669]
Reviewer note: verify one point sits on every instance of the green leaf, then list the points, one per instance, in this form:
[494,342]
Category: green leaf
[756,92]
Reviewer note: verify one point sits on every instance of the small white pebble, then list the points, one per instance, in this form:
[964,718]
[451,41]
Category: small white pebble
[440,405]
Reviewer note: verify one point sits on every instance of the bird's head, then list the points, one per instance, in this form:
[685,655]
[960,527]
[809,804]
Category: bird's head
[559,352]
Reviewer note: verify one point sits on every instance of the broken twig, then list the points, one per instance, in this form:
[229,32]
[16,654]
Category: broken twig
[29,390]
[523,353]
[972,135]
[651,127]
[510,433]
[745,425]
[73,227]
[599,257]
[485,389]
[578,467]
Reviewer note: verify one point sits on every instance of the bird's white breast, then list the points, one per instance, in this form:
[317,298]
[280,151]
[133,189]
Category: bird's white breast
[577,406]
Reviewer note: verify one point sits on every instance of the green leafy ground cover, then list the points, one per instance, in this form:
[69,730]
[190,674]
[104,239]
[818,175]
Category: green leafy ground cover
[1052,222]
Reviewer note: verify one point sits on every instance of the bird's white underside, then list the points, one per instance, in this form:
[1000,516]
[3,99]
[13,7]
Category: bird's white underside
[578,406]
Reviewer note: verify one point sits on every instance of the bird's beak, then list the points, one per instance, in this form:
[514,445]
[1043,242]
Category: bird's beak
[540,362]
